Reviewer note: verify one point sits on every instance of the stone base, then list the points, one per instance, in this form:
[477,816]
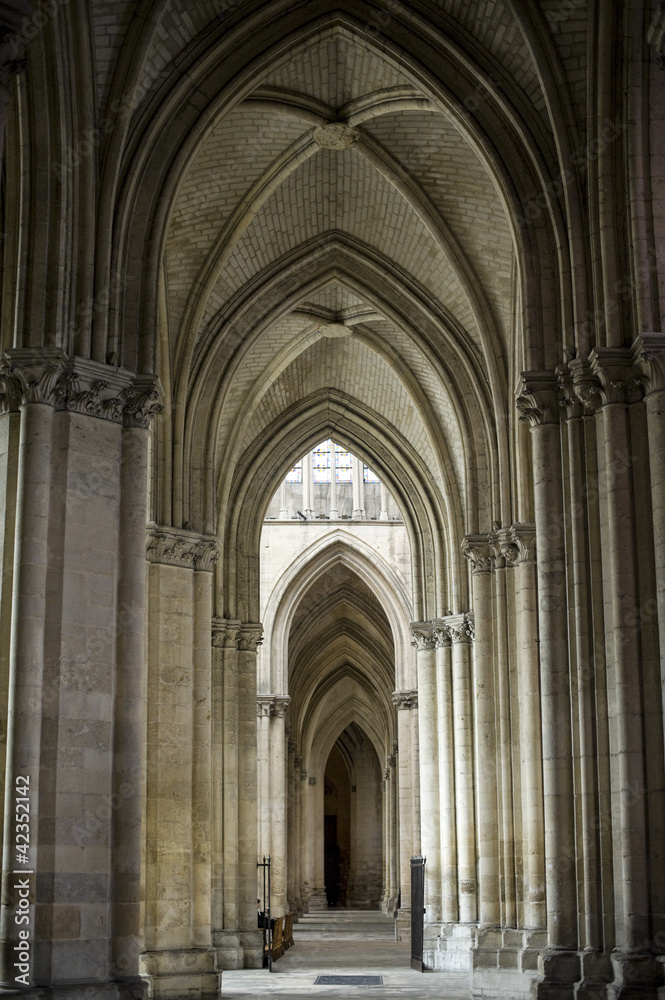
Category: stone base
[317,900]
[123,989]
[560,973]
[447,947]
[228,950]
[252,948]
[505,962]
[403,924]
[636,977]
[180,973]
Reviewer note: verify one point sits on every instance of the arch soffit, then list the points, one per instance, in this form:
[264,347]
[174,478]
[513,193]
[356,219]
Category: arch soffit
[339,547]
[152,170]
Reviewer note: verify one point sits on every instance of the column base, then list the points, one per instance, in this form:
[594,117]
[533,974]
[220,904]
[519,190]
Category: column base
[636,976]
[252,949]
[560,973]
[228,950]
[447,947]
[505,962]
[317,900]
[180,973]
[403,924]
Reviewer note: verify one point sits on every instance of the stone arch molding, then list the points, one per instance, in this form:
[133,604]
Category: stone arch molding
[339,546]
[319,735]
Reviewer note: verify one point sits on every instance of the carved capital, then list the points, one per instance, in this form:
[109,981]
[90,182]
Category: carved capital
[422,635]
[570,400]
[649,358]
[523,538]
[250,637]
[392,760]
[32,376]
[584,384]
[280,706]
[386,773]
[79,385]
[225,633]
[405,699]
[442,637]
[172,547]
[538,398]
[143,402]
[619,379]
[264,705]
[460,628]
[478,551]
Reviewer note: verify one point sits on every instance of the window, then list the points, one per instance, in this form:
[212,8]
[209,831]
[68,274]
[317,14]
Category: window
[295,475]
[369,476]
[343,465]
[321,463]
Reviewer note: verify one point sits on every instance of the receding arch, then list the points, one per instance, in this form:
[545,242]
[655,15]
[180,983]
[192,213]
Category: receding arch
[339,546]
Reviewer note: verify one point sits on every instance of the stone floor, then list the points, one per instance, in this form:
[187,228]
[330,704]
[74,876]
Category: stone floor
[344,942]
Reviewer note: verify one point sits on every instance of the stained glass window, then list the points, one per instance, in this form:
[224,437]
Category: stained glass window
[295,475]
[322,463]
[369,476]
[343,465]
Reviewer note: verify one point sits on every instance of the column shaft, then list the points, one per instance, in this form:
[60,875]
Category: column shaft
[464,783]
[444,690]
[428,739]
[131,680]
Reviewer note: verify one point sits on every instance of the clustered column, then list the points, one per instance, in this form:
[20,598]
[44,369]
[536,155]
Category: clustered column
[406,703]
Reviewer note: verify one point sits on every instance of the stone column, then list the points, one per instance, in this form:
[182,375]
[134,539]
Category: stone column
[385,830]
[428,740]
[460,628]
[178,955]
[651,346]
[235,935]
[406,702]
[226,940]
[444,692]
[383,513]
[358,490]
[477,551]
[617,388]
[249,637]
[284,512]
[314,808]
[392,838]
[518,548]
[538,403]
[333,513]
[26,667]
[277,803]
[264,704]
[292,841]
[583,656]
[308,486]
[501,616]
[130,695]
[302,834]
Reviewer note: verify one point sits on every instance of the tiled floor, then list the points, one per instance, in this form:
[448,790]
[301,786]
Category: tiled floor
[345,942]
